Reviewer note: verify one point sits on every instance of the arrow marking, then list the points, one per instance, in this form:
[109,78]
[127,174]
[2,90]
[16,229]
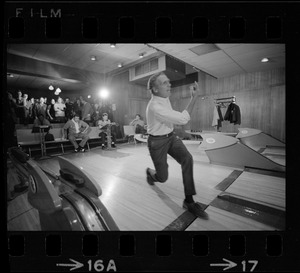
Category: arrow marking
[75,264]
[229,264]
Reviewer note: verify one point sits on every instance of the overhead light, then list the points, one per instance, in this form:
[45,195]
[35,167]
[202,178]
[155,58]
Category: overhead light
[89,96]
[120,65]
[10,75]
[264,60]
[103,93]
[112,45]
[58,90]
[141,55]
[51,87]
[93,58]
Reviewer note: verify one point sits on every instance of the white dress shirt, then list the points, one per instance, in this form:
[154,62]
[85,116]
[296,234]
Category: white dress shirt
[161,117]
[76,126]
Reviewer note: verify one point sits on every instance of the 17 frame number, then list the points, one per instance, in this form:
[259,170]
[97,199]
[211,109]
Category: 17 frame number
[254,262]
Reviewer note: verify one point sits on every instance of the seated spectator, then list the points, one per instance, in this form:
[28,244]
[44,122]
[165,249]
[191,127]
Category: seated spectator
[102,123]
[51,111]
[59,108]
[77,129]
[139,124]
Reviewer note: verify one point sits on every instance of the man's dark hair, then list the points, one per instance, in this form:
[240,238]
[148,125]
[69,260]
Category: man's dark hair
[152,80]
[76,115]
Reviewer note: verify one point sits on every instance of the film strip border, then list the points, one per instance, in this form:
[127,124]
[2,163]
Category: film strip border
[155,251]
[184,22]
[151,22]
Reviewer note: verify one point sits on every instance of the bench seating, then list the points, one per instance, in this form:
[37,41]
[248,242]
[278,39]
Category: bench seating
[31,141]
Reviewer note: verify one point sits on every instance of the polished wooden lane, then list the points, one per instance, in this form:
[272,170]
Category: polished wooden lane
[131,201]
[135,205]
[265,189]
[220,219]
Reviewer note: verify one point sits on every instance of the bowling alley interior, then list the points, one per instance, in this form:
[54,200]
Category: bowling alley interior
[79,128]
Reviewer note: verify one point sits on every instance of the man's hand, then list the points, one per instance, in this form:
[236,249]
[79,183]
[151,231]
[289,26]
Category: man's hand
[194,90]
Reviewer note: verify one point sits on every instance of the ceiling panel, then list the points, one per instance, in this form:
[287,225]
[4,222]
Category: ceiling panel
[224,46]
[257,49]
[25,50]
[231,59]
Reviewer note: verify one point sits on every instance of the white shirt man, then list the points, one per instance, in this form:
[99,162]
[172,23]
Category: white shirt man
[162,141]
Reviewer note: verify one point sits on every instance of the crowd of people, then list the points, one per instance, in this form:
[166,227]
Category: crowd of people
[26,110]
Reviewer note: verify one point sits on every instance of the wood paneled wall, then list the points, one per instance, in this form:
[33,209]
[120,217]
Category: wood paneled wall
[130,99]
[260,96]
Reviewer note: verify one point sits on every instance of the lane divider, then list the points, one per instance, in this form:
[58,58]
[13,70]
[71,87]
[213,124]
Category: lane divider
[222,186]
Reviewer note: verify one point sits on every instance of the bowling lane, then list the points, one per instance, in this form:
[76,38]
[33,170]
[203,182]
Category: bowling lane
[275,150]
[220,219]
[134,204]
[266,189]
[277,154]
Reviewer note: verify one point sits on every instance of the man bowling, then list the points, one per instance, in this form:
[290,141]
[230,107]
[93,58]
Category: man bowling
[162,141]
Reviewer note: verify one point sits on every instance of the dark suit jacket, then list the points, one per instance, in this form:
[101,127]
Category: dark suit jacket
[233,114]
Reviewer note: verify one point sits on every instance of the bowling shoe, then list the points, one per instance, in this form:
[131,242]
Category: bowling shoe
[195,208]
[150,179]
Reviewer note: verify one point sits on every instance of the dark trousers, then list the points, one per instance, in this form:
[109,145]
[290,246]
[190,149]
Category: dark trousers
[103,137]
[140,129]
[159,147]
[85,138]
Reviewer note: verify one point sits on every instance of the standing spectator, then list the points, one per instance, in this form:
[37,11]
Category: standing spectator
[106,108]
[86,110]
[40,120]
[96,113]
[77,107]
[20,108]
[59,108]
[51,111]
[27,105]
[19,100]
[41,108]
[69,109]
[32,110]
[46,101]
[10,120]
